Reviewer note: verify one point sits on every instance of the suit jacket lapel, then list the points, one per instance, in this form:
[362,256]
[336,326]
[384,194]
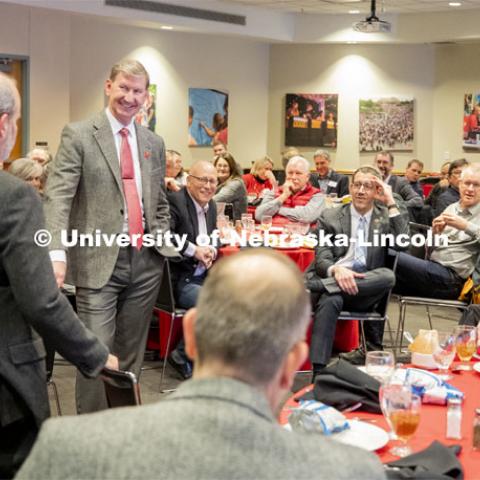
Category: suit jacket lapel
[104,136]
[192,212]
[346,220]
[144,155]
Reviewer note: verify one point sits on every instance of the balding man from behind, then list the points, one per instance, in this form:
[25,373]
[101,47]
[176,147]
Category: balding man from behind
[296,200]
[247,348]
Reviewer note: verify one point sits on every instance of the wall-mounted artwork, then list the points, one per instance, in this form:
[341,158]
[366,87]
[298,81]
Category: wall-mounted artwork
[147,114]
[311,120]
[207,116]
[471,120]
[386,123]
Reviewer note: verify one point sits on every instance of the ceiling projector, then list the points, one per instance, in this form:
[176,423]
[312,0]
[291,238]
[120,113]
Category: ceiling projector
[372,24]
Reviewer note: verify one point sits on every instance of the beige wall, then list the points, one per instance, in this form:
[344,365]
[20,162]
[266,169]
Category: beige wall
[177,61]
[44,37]
[353,71]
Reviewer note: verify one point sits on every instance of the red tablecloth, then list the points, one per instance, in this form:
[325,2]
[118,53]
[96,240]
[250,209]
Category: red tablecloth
[432,423]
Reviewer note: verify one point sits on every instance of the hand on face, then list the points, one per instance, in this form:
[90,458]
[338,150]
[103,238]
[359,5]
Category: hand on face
[383,191]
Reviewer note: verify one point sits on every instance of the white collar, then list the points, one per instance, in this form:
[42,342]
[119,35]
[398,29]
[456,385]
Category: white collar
[117,126]
[198,207]
[355,214]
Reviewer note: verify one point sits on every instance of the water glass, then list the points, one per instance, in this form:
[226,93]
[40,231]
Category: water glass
[266,223]
[245,217]
[466,344]
[444,354]
[380,365]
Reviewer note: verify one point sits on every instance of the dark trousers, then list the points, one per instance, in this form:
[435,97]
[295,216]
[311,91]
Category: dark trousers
[327,307]
[119,314]
[426,278]
[16,441]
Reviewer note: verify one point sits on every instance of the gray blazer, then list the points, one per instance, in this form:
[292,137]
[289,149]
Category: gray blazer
[336,221]
[402,187]
[233,191]
[84,192]
[29,298]
[209,429]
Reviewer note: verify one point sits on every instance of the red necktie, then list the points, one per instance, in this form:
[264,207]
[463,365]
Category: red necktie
[134,209]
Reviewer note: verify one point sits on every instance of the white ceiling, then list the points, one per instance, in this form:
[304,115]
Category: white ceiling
[344,6]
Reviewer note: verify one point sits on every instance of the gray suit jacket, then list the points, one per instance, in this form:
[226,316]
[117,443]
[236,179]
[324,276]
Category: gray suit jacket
[84,192]
[29,298]
[401,186]
[209,429]
[338,221]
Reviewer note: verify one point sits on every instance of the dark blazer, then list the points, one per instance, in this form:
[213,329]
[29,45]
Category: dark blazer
[30,299]
[183,221]
[338,221]
[446,198]
[340,189]
[402,187]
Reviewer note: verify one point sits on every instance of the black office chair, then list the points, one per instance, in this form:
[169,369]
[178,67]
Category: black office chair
[121,388]
[166,303]
[379,313]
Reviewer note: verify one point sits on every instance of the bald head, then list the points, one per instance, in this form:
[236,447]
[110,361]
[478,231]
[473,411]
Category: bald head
[9,115]
[202,182]
[252,309]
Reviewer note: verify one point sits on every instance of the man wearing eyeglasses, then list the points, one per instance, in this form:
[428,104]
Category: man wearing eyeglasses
[193,213]
[452,193]
[352,275]
[450,264]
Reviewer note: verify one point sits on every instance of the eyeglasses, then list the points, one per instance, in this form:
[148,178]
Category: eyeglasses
[368,187]
[456,173]
[468,184]
[205,180]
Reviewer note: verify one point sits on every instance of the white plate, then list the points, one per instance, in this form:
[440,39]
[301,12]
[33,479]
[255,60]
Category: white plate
[360,434]
[476,367]
[363,435]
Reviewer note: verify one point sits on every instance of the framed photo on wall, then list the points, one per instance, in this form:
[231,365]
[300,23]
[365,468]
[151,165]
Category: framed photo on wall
[311,120]
[207,116]
[471,120]
[386,123]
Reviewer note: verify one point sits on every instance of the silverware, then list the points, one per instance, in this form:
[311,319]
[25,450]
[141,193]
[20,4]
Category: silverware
[352,408]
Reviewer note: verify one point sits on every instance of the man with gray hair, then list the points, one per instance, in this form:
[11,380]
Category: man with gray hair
[327,179]
[108,179]
[296,200]
[30,299]
[247,348]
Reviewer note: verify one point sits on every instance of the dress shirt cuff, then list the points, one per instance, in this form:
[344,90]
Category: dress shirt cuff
[214,251]
[58,256]
[395,213]
[190,250]
[330,271]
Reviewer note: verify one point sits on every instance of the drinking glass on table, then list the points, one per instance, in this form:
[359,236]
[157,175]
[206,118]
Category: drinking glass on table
[266,223]
[466,344]
[245,218]
[380,365]
[444,354]
[250,225]
[401,408]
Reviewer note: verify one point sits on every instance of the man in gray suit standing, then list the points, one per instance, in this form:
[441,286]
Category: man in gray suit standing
[30,299]
[108,178]
[247,344]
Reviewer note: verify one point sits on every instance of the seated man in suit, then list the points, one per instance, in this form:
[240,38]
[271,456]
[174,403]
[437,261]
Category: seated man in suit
[192,213]
[296,200]
[384,162]
[247,342]
[353,277]
[451,193]
[327,179]
[443,275]
[412,175]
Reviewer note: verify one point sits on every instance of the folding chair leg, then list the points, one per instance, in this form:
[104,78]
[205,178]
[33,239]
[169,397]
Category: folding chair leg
[362,337]
[401,326]
[170,332]
[52,384]
[429,318]
[390,333]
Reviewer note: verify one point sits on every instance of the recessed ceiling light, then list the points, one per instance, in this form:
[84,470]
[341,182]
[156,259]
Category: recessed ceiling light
[352,42]
[455,4]
[166,27]
[354,12]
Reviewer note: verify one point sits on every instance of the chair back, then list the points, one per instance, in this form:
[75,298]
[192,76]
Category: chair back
[121,388]
[166,299]
[418,228]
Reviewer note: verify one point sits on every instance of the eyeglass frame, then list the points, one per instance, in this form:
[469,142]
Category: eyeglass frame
[205,181]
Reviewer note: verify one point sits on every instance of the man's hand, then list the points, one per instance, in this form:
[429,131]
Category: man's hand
[60,270]
[112,362]
[438,224]
[204,255]
[346,279]
[455,221]
[171,184]
[286,191]
[384,191]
